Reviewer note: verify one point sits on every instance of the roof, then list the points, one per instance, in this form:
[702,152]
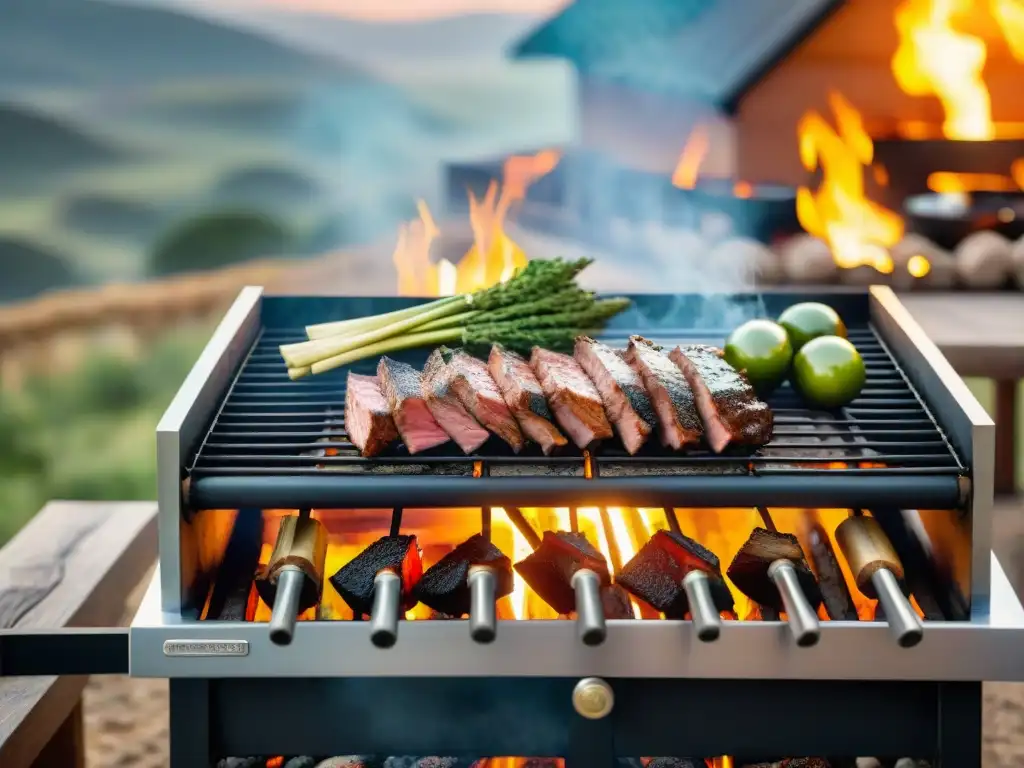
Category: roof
[714,50]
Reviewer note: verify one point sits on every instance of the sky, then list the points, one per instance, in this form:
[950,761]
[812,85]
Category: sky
[405,10]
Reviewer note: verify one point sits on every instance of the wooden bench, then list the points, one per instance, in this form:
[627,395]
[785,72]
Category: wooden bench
[982,334]
[73,565]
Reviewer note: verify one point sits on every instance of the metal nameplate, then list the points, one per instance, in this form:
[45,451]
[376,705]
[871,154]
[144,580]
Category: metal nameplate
[206,647]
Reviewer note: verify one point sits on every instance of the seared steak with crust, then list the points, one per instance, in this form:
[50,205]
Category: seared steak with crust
[367,415]
[447,408]
[573,397]
[525,398]
[477,391]
[402,385]
[671,394]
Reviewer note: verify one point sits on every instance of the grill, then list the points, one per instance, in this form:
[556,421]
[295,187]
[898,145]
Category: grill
[242,449]
[278,443]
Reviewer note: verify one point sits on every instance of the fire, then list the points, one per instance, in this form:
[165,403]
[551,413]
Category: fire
[953,183]
[691,158]
[935,59]
[719,762]
[617,532]
[1009,14]
[494,257]
[857,230]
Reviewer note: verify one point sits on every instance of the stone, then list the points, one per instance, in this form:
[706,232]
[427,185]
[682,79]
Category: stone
[746,257]
[942,272]
[1017,258]
[983,260]
[806,259]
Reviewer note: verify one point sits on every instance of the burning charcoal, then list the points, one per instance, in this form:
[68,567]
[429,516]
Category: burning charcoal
[549,570]
[445,585]
[440,762]
[673,762]
[354,581]
[616,604]
[351,761]
[656,573]
[749,569]
[300,762]
[242,762]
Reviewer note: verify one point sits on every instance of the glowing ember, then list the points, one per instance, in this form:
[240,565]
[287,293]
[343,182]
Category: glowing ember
[743,190]
[494,257]
[935,59]
[857,230]
[691,158]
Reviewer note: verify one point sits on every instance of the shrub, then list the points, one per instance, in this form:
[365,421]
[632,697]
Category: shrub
[214,240]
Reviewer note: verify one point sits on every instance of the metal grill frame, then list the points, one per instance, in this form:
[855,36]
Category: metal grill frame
[932,383]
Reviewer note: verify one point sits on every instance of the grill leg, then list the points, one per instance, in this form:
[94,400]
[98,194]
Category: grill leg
[591,744]
[959,725]
[190,724]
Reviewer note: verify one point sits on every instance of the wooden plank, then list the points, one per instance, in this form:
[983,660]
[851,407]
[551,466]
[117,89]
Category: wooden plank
[981,334]
[74,564]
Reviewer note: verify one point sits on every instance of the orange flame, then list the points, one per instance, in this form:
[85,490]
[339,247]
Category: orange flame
[857,230]
[494,257]
[692,158]
[935,59]
[1009,14]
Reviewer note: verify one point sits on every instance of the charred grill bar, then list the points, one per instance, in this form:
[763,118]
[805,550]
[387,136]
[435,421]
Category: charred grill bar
[915,452]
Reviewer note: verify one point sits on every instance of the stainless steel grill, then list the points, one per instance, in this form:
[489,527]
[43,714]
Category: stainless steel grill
[915,449]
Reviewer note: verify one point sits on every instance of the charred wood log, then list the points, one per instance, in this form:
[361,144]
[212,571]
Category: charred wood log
[229,600]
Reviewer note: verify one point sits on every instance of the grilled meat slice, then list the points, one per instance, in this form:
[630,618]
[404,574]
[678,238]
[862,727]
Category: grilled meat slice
[573,397]
[549,569]
[475,388]
[672,397]
[525,398]
[749,569]
[730,410]
[354,580]
[367,415]
[445,405]
[655,574]
[402,386]
[625,400]
[445,587]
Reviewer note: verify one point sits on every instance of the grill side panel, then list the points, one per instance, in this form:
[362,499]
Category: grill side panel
[178,436]
[971,431]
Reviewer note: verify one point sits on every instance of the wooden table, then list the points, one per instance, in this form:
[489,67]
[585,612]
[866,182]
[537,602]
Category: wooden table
[73,565]
[982,334]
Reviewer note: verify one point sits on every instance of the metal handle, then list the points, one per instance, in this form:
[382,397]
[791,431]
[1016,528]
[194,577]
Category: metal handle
[483,620]
[386,609]
[903,621]
[706,619]
[285,612]
[803,621]
[589,611]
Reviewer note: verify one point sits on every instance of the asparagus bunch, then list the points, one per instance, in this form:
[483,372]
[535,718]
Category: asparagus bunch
[540,305]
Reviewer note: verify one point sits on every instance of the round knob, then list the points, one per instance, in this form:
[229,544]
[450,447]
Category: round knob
[593,698]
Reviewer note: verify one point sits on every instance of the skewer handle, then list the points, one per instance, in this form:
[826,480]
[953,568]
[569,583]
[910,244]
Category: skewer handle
[803,621]
[589,611]
[386,608]
[285,612]
[483,619]
[706,619]
[903,621]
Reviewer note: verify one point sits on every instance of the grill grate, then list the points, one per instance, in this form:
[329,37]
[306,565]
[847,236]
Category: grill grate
[276,442]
